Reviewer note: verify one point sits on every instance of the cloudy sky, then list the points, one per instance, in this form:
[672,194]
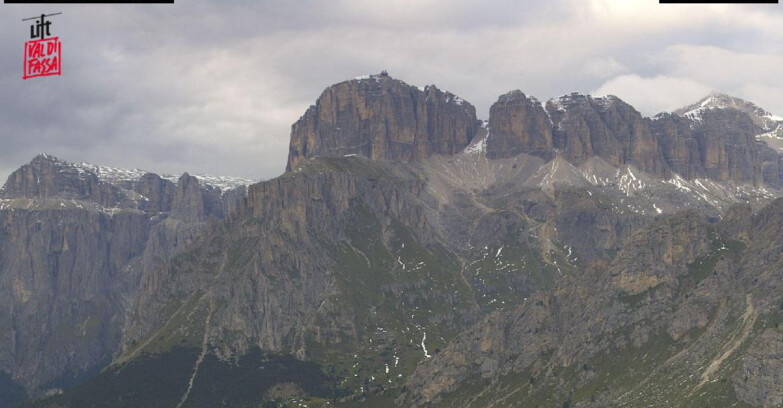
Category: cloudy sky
[214,86]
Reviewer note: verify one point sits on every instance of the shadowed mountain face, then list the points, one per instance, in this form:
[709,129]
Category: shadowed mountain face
[74,243]
[562,253]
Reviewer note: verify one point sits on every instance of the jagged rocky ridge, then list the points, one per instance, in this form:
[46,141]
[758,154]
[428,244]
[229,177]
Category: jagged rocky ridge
[417,257]
[383,118]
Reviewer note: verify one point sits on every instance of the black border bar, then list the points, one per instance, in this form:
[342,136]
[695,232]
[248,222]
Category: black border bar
[717,1]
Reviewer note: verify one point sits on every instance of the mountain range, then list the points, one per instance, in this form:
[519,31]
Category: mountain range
[563,253]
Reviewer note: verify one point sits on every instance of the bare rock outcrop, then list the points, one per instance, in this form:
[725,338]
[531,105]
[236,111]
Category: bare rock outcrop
[382,118]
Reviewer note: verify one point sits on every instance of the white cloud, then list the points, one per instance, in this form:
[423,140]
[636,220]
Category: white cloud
[722,65]
[655,94]
[749,75]
[688,72]
[603,67]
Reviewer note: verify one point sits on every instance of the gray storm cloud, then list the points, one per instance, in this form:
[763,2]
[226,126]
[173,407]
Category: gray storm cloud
[213,87]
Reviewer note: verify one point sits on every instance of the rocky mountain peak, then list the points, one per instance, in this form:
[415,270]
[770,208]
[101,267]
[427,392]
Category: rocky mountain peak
[517,95]
[770,126]
[580,126]
[46,175]
[519,124]
[49,181]
[382,118]
[47,158]
[720,137]
[718,100]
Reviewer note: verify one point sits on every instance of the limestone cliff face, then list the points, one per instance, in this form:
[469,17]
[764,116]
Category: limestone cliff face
[585,126]
[519,124]
[159,193]
[719,144]
[660,254]
[63,286]
[72,250]
[726,142]
[729,149]
[189,200]
[382,118]
[679,147]
[759,381]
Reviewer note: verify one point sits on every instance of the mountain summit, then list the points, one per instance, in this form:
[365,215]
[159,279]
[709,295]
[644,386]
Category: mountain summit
[771,124]
[718,100]
[382,118]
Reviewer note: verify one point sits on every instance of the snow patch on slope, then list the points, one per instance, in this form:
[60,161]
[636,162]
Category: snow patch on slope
[224,182]
[477,146]
[627,181]
[424,347]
